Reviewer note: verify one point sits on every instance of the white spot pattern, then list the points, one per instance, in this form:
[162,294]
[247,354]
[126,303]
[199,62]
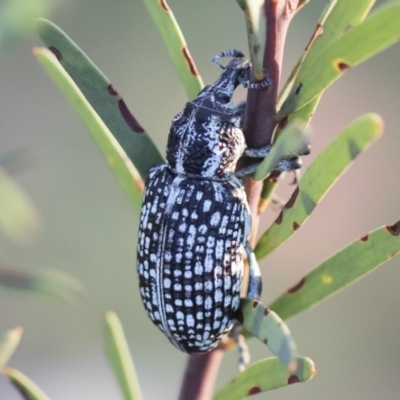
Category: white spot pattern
[193,225]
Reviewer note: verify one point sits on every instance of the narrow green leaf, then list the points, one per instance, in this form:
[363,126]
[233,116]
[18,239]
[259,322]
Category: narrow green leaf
[306,112]
[18,218]
[8,343]
[292,140]
[330,164]
[345,267]
[175,43]
[380,30]
[105,100]
[252,12]
[28,389]
[120,358]
[115,156]
[263,376]
[268,327]
[319,29]
[337,19]
[16,17]
[49,283]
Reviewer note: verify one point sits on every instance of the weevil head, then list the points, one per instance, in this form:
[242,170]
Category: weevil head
[205,138]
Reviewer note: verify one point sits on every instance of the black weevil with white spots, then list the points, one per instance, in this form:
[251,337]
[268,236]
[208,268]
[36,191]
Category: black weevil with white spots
[195,219]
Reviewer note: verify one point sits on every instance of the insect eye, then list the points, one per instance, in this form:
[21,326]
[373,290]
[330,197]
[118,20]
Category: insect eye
[222,98]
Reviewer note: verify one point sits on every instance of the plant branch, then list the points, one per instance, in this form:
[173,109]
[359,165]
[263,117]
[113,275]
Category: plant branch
[260,120]
[200,375]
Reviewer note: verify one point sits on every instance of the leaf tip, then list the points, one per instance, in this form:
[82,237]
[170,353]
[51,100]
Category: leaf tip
[379,123]
[18,331]
[313,370]
[110,316]
[6,370]
[40,22]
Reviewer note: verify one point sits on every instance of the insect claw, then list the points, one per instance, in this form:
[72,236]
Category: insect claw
[227,53]
[257,85]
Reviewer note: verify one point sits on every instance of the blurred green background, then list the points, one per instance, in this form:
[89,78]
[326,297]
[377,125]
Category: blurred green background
[89,230]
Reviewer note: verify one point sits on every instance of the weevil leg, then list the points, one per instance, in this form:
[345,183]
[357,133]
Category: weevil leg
[253,292]
[290,164]
[254,288]
[257,85]
[266,325]
[242,348]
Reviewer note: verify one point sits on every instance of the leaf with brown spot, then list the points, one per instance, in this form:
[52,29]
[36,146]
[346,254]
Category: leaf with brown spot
[252,11]
[332,24]
[380,30]
[297,287]
[341,65]
[263,376]
[104,99]
[265,324]
[394,229]
[114,154]
[175,43]
[329,165]
[344,268]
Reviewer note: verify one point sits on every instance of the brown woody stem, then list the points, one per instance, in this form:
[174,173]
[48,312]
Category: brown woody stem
[260,120]
[200,375]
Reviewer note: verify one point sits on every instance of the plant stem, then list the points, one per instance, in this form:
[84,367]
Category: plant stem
[260,120]
[200,375]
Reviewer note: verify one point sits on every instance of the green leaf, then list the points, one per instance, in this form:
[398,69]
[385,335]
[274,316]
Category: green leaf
[18,218]
[16,17]
[345,267]
[49,283]
[8,343]
[380,30]
[268,327]
[120,358]
[330,164]
[263,376]
[292,140]
[338,17]
[115,156]
[27,389]
[316,36]
[252,12]
[175,43]
[105,100]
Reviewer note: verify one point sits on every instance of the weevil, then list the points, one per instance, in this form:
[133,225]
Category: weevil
[195,222]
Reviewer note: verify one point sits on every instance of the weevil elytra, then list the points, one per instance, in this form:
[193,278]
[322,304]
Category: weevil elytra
[195,220]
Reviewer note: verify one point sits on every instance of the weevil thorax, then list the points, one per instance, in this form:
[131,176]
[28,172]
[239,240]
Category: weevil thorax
[205,138]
